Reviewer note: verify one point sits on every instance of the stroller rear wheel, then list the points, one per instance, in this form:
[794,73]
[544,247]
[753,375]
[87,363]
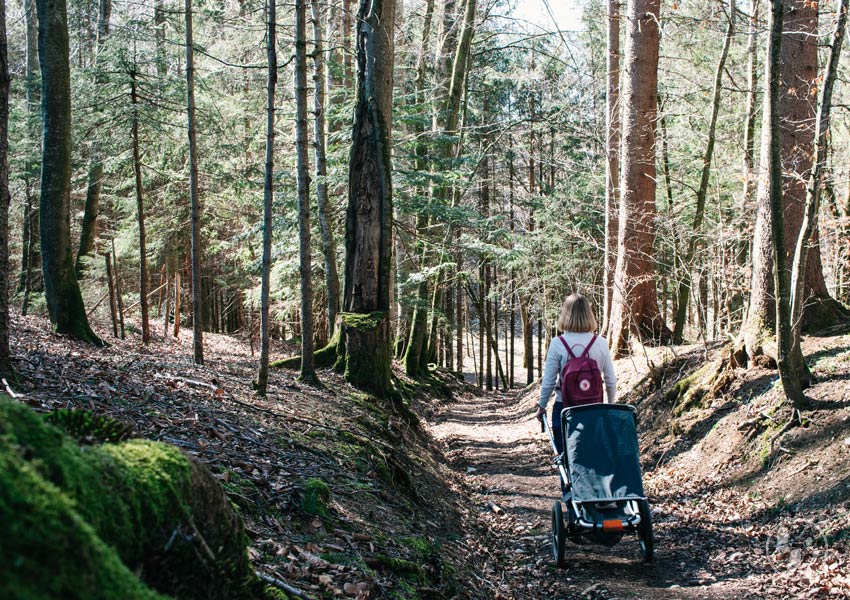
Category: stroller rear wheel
[559,535]
[645,537]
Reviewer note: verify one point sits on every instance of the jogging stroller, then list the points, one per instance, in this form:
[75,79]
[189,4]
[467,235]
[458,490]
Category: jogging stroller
[600,468]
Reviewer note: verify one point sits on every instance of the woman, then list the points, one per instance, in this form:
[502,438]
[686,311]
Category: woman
[579,326]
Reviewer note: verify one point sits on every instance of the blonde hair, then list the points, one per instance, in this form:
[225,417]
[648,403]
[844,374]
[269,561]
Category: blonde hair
[576,315]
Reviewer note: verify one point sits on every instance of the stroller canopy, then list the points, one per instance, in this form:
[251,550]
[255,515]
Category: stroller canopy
[602,452]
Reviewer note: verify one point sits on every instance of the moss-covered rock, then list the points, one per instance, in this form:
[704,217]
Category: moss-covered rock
[134,507]
[50,551]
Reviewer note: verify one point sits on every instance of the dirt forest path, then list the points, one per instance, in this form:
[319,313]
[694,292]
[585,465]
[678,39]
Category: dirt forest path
[495,443]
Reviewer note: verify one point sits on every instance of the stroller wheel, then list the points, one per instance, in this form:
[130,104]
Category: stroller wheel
[559,535]
[645,537]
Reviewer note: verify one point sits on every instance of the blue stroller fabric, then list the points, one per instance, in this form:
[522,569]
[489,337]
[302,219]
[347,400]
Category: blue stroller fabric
[602,452]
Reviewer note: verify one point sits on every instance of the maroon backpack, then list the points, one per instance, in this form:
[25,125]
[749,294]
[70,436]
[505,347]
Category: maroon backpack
[581,381]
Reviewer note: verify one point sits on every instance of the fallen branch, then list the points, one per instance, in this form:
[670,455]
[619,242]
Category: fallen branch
[12,393]
[279,583]
[195,382]
[135,304]
[93,308]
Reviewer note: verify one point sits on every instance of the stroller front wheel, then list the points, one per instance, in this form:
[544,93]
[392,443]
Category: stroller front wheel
[645,537]
[559,535]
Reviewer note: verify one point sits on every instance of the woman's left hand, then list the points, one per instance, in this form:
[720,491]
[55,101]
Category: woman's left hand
[539,414]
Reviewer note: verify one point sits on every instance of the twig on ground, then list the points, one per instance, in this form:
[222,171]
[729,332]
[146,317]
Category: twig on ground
[12,393]
[279,583]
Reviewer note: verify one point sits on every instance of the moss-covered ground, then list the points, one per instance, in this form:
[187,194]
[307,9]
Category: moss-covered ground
[112,520]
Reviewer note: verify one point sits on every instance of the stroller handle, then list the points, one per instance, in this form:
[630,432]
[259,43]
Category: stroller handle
[559,458]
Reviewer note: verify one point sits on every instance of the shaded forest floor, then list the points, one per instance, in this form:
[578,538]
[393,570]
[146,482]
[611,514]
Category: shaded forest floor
[456,502]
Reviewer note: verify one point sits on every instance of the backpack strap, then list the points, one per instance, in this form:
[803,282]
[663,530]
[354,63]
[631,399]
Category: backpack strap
[567,346]
[569,350]
[589,344]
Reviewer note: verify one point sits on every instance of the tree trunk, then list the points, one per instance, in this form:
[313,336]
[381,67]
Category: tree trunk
[527,341]
[787,368]
[459,297]
[159,37]
[308,371]
[813,188]
[88,232]
[112,312]
[197,305]
[268,199]
[140,210]
[30,278]
[368,241]
[612,149]
[177,293]
[702,191]
[798,81]
[5,199]
[118,290]
[64,300]
[750,120]
[166,306]
[634,308]
[347,50]
[326,228]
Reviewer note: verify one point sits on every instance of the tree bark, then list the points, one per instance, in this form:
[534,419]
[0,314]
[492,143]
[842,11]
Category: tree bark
[177,294]
[64,300]
[140,214]
[308,371]
[368,229]
[112,311]
[30,277]
[612,149]
[118,290]
[798,80]
[787,368]
[325,226]
[634,308]
[159,37]
[268,199]
[813,188]
[194,194]
[702,190]
[347,50]
[5,199]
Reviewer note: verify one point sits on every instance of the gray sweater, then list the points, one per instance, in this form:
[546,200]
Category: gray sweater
[557,357]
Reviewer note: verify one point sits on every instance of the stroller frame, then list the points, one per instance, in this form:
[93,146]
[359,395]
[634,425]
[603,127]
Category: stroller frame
[598,519]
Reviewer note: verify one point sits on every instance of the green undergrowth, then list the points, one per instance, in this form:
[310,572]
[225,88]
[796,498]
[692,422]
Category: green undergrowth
[113,520]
